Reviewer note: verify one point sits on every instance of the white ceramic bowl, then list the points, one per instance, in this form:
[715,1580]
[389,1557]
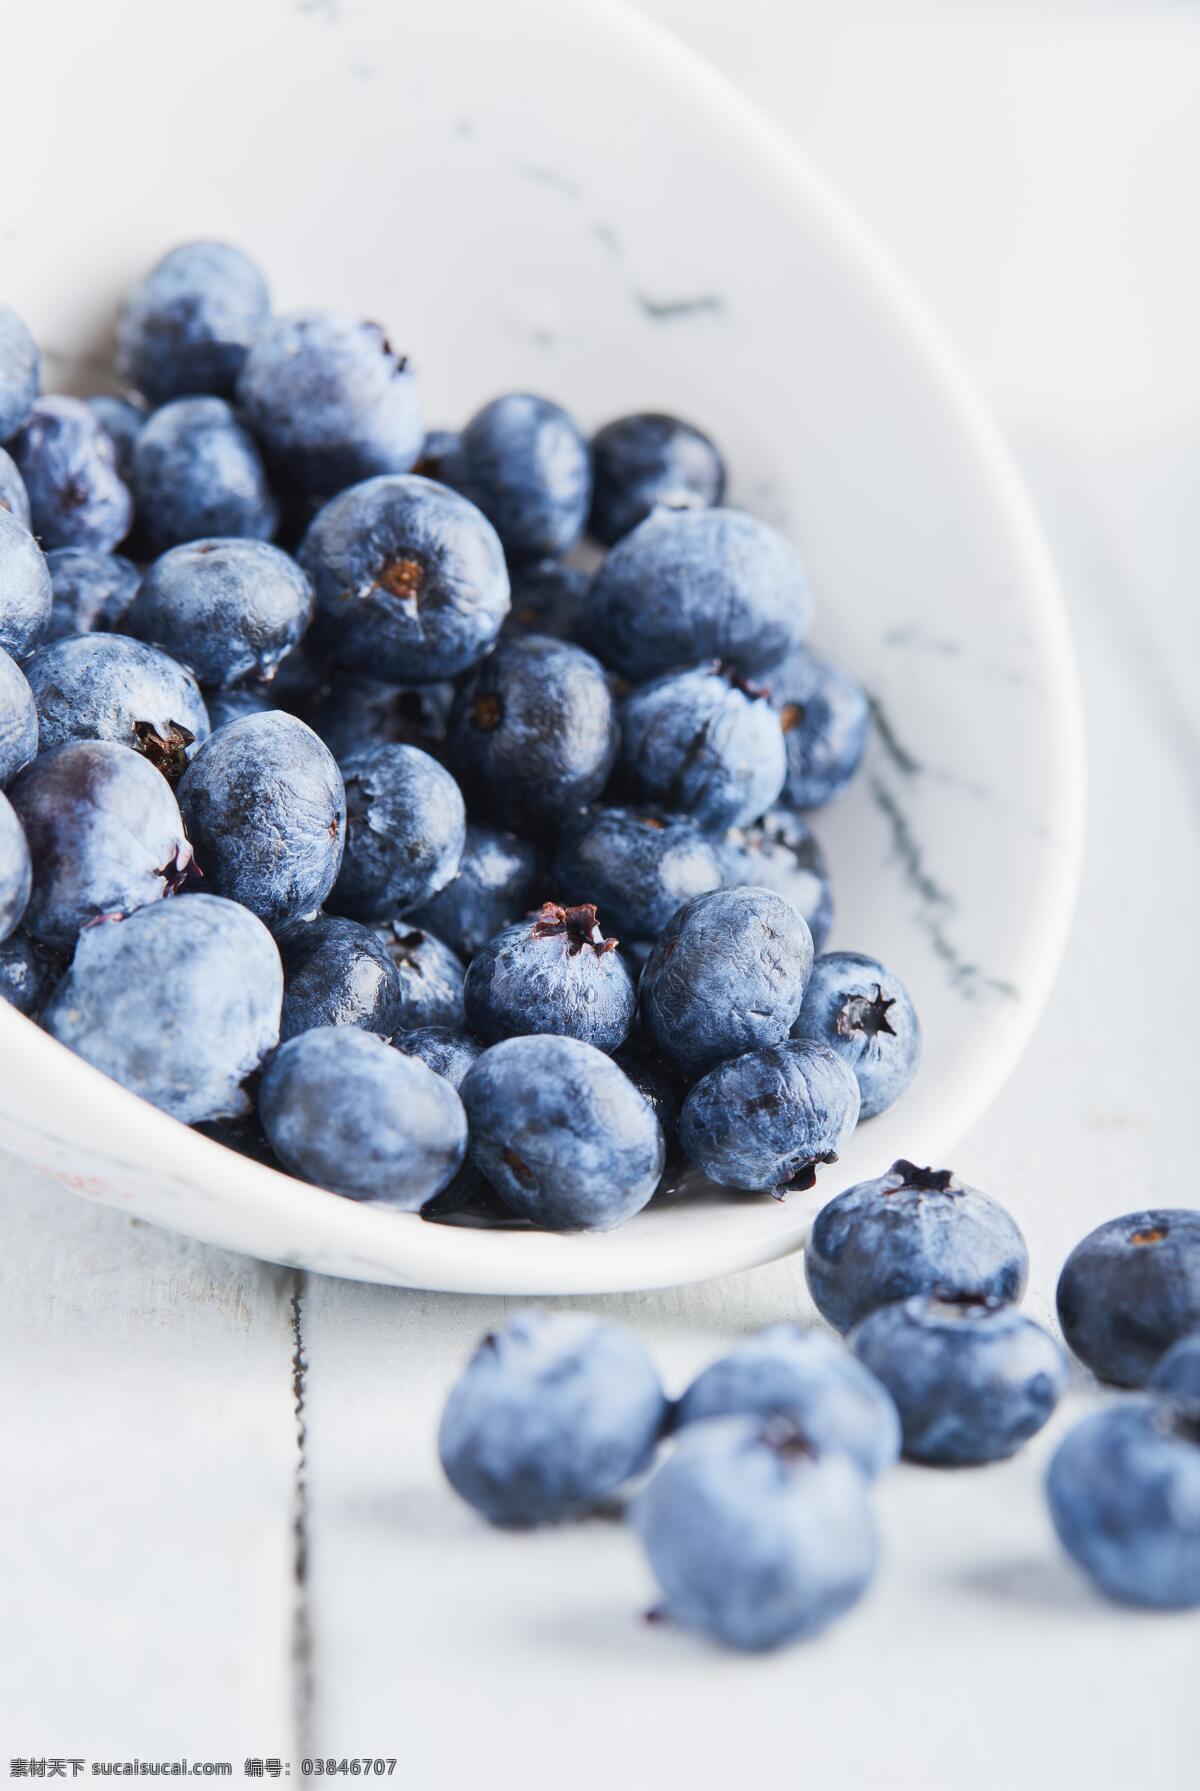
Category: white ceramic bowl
[559,198]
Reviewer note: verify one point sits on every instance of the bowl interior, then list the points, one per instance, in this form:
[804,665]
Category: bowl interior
[561,200]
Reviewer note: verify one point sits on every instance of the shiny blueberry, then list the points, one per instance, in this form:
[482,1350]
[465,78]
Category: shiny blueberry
[782,853]
[555,972]
[551,1416]
[1131,1289]
[20,373]
[186,326]
[862,1011]
[641,461]
[67,460]
[703,741]
[769,1118]
[229,610]
[337,973]
[178,1002]
[109,687]
[18,720]
[25,591]
[196,474]
[92,591]
[499,878]
[637,865]
[431,975]
[524,462]
[912,1231]
[825,717]
[447,1052]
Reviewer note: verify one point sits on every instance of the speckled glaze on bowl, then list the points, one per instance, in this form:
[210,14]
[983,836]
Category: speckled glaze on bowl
[456,172]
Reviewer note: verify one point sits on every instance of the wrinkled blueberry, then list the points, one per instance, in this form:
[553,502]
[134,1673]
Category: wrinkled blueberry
[69,465]
[337,973]
[499,878]
[405,828]
[782,853]
[524,462]
[555,972]
[641,461]
[227,609]
[18,720]
[703,741]
[767,1119]
[186,326]
[1131,1289]
[862,1011]
[431,975]
[24,589]
[197,474]
[92,591]
[109,687]
[638,867]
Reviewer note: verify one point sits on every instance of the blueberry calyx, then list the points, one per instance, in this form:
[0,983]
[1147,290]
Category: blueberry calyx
[166,752]
[180,870]
[738,681]
[783,1435]
[401,576]
[791,716]
[1148,1234]
[866,1013]
[920,1181]
[578,924]
[487,712]
[803,1177]
[406,943]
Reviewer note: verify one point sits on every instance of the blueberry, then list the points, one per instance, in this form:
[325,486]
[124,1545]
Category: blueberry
[24,589]
[16,872]
[437,452]
[405,828]
[782,853]
[767,1119]
[18,720]
[13,496]
[232,701]
[337,973]
[1131,1289]
[663,1090]
[265,808]
[554,973]
[343,1110]
[972,1377]
[864,1013]
[637,866]
[196,474]
[499,878]
[446,1051]
[431,975]
[92,591]
[551,1416]
[122,418]
[645,460]
[229,610]
[562,1133]
[28,972]
[69,465]
[186,326]
[20,373]
[178,1002]
[109,687]
[533,733]
[825,716]
[410,580]
[756,1536]
[548,597]
[1124,1494]
[1176,1375]
[105,834]
[354,713]
[524,462]
[726,976]
[703,741]
[836,1402]
[687,585]
[331,401]
[912,1231]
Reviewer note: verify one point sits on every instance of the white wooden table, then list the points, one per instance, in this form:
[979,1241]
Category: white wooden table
[222,1529]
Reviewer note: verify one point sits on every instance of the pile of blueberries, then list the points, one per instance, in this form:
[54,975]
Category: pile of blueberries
[490,888]
[757,1523]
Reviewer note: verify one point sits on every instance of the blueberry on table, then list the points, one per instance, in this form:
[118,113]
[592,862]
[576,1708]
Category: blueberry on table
[431,975]
[13,496]
[782,853]
[525,463]
[642,461]
[337,973]
[688,585]
[227,609]
[911,1231]
[18,720]
[499,878]
[105,834]
[25,591]
[727,975]
[756,1535]
[554,972]
[1124,1494]
[637,865]
[69,465]
[1131,1289]
[122,419]
[704,741]
[548,597]
[186,326]
[28,971]
[20,373]
[972,1377]
[343,1110]
[533,733]
[1177,1374]
[562,1133]
[91,591]
[767,1119]
[331,401]
[110,687]
[16,871]
[551,1416]
[410,581]
[197,473]
[444,1049]
[825,716]
[352,713]
[178,1002]
[857,1007]
[405,830]
[838,1404]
